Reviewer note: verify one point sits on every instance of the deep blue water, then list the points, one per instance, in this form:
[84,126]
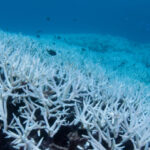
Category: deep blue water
[127,18]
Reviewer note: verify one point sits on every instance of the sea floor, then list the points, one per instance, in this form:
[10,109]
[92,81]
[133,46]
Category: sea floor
[119,57]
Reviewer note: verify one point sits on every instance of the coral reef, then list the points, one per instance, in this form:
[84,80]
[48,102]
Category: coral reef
[47,103]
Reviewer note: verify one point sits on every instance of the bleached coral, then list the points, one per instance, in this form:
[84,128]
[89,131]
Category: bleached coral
[113,120]
[31,87]
[37,98]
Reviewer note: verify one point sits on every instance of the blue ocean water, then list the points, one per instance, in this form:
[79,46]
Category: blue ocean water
[127,18]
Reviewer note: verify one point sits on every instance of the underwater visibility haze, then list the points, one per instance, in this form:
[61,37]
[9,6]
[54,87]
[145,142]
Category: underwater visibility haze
[128,18]
[74,74]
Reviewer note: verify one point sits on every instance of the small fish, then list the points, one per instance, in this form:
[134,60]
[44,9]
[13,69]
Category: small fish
[38,36]
[48,18]
[51,52]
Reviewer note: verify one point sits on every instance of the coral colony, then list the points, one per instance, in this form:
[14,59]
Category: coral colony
[49,103]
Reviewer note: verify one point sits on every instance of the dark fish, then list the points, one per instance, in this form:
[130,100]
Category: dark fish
[48,19]
[51,52]
[38,35]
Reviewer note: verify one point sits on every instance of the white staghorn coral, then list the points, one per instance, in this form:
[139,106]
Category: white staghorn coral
[116,119]
[38,98]
[33,87]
